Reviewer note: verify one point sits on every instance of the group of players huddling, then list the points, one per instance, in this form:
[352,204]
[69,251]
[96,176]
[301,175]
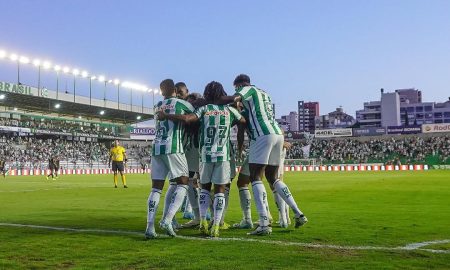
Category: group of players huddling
[193,139]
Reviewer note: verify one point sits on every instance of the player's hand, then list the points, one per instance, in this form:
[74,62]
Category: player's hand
[161,115]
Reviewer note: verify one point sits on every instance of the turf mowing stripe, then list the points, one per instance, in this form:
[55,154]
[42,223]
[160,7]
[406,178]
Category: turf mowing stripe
[408,247]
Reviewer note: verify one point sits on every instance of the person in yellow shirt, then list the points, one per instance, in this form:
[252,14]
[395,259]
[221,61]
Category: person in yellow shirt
[118,156]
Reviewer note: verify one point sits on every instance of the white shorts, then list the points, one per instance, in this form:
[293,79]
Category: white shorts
[171,166]
[245,169]
[266,150]
[216,172]
[193,159]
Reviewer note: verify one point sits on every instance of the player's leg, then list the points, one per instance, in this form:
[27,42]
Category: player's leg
[281,188]
[179,173]
[220,178]
[159,172]
[245,198]
[258,158]
[223,224]
[152,207]
[281,205]
[205,174]
[193,193]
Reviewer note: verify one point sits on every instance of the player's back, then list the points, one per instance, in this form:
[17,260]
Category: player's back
[216,122]
[258,104]
[169,134]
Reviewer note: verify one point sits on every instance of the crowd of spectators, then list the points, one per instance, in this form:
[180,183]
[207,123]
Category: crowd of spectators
[57,125]
[34,152]
[31,152]
[393,150]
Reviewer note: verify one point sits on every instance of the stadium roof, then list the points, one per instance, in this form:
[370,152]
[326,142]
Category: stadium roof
[45,101]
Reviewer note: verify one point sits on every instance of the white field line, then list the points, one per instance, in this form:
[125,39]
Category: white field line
[408,247]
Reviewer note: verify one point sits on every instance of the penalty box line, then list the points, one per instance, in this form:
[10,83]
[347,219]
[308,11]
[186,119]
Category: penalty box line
[409,247]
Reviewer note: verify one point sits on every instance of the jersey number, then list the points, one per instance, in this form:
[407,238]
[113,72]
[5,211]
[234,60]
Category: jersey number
[211,135]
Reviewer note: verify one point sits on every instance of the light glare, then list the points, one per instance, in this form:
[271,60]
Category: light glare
[46,64]
[24,60]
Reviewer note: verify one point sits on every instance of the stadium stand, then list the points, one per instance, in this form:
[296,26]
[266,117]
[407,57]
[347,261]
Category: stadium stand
[397,150]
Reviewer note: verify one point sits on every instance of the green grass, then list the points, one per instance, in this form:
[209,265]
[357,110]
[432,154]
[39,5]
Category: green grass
[386,209]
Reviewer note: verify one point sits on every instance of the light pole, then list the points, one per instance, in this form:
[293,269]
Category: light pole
[75,73]
[90,89]
[57,69]
[117,82]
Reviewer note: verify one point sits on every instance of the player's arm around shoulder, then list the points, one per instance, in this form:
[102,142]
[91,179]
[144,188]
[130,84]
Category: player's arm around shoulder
[237,117]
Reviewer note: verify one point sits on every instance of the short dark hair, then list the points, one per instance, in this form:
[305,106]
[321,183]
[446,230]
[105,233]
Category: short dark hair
[241,79]
[167,83]
[213,90]
[180,84]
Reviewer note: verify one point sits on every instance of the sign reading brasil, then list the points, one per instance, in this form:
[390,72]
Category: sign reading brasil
[22,89]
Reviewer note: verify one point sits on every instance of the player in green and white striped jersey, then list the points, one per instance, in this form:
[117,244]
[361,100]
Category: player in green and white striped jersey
[216,122]
[168,160]
[265,149]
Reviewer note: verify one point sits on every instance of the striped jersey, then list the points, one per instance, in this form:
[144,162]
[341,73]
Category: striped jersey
[169,134]
[216,122]
[261,119]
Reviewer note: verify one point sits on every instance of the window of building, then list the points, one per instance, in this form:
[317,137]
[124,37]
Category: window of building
[410,109]
[447,114]
[438,115]
[438,121]
[419,109]
[419,115]
[428,115]
[447,120]
[428,108]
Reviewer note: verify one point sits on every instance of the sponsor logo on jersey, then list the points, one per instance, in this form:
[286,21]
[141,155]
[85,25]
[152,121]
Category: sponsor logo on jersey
[216,113]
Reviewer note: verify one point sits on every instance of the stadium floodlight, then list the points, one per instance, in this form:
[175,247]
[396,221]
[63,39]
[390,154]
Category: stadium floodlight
[57,106]
[2,54]
[24,60]
[93,77]
[15,108]
[116,81]
[134,86]
[46,64]
[138,117]
[36,62]
[57,68]
[110,81]
[2,96]
[13,57]
[101,78]
[66,69]
[80,117]
[84,74]
[102,112]
[106,129]
[75,72]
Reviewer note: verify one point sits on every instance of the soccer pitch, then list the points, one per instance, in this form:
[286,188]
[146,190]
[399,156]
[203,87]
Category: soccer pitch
[364,220]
